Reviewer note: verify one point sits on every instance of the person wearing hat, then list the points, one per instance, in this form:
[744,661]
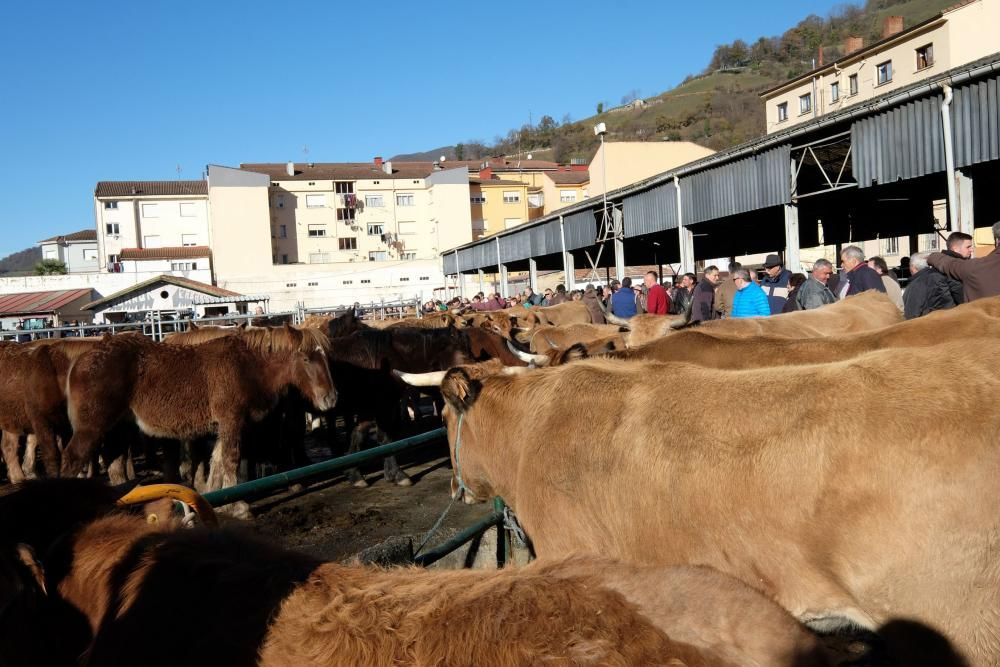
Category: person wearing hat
[775,283]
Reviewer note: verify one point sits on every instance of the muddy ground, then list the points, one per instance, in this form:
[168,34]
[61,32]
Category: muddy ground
[335,521]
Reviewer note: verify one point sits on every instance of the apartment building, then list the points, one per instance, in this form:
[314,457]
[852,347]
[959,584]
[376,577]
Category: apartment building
[500,203]
[364,212]
[78,251]
[565,186]
[956,36]
[168,216]
[623,163]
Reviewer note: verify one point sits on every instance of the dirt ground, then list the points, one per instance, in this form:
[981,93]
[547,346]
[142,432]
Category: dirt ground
[335,521]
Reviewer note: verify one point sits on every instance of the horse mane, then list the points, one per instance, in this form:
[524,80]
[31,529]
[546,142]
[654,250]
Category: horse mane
[270,340]
[198,335]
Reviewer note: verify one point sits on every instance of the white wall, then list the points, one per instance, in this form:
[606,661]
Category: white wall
[157,297]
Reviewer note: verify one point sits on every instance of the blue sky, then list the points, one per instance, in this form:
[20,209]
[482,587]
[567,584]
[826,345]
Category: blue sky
[130,90]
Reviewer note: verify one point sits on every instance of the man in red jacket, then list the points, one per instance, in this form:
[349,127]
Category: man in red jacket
[657,301]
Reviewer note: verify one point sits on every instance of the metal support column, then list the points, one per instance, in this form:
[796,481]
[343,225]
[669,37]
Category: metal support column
[481,289]
[458,277]
[966,220]
[793,254]
[504,289]
[533,274]
[685,238]
[568,270]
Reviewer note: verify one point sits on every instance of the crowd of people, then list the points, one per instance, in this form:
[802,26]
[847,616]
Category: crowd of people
[935,281]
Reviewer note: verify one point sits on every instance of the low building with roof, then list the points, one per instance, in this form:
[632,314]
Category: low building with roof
[77,250]
[171,296]
[37,310]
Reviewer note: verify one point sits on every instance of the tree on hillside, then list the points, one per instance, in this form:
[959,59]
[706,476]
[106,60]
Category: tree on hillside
[50,267]
[459,151]
[600,108]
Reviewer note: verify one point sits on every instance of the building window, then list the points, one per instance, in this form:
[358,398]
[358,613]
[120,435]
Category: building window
[345,214]
[343,187]
[366,281]
[151,241]
[407,228]
[852,84]
[782,112]
[404,200]
[536,200]
[187,209]
[317,230]
[51,253]
[511,196]
[111,228]
[378,256]
[90,254]
[404,279]
[349,243]
[478,199]
[282,231]
[315,201]
[114,259]
[890,246]
[805,103]
[567,196]
[425,277]
[348,282]
[883,72]
[376,229]
[313,284]
[290,284]
[189,239]
[319,258]
[279,201]
[110,205]
[284,260]
[925,56]
[374,201]
[183,266]
[407,255]
[150,211]
[834,91]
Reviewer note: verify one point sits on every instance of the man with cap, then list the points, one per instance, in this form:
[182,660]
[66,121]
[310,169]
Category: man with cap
[775,283]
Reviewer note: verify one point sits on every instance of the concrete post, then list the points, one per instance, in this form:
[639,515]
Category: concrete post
[504,290]
[568,269]
[533,274]
[685,238]
[481,282]
[616,218]
[966,220]
[793,258]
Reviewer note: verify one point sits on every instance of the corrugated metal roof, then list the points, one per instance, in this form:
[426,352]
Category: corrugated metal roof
[651,211]
[150,188]
[976,125]
[580,229]
[753,183]
[905,142]
[40,302]
[168,252]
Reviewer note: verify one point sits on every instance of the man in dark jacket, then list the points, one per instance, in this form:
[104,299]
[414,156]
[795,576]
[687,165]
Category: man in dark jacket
[775,283]
[927,291]
[959,246]
[680,299]
[559,296]
[702,307]
[815,291]
[594,305]
[981,276]
[623,301]
[859,276]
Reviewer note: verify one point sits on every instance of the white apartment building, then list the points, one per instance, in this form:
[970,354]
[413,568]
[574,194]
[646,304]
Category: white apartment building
[169,216]
[78,251]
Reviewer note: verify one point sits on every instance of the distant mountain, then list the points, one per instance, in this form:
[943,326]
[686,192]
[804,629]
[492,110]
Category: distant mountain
[426,156]
[21,262]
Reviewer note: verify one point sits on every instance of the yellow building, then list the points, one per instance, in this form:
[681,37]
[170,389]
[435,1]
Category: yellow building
[627,162]
[501,203]
[956,36]
[565,187]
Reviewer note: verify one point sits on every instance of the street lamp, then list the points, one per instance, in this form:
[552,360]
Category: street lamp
[600,130]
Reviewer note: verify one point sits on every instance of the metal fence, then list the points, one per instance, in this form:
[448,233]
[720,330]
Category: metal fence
[373,310]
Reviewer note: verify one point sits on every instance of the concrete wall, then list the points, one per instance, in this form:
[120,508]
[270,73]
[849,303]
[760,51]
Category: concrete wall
[632,161]
[240,230]
[103,283]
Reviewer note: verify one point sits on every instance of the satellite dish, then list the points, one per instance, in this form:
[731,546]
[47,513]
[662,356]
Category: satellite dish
[443,158]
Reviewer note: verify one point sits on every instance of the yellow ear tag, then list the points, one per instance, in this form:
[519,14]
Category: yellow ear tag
[152,518]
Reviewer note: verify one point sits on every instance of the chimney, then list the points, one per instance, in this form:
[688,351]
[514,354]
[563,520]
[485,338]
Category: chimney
[820,56]
[378,161]
[893,26]
[852,44]
[486,173]
[290,168]
[387,167]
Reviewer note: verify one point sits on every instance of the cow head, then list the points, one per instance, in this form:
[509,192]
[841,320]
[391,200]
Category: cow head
[460,387]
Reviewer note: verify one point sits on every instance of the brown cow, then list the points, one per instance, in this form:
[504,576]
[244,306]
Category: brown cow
[704,348]
[561,315]
[861,506]
[547,337]
[260,604]
[871,310]
[184,392]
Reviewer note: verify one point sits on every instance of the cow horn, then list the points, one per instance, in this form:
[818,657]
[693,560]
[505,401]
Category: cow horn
[618,321]
[527,357]
[432,379]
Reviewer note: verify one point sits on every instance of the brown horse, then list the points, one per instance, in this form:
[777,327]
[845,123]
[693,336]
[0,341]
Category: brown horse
[186,392]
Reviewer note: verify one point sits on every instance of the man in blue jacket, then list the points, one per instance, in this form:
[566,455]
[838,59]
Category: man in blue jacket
[750,300]
[623,301]
[775,283]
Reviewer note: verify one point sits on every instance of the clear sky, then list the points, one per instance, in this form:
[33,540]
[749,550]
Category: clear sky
[116,90]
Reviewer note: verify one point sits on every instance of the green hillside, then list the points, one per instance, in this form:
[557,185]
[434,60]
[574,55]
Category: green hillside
[720,107]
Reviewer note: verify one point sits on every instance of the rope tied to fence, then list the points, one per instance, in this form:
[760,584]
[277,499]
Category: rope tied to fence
[434,528]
